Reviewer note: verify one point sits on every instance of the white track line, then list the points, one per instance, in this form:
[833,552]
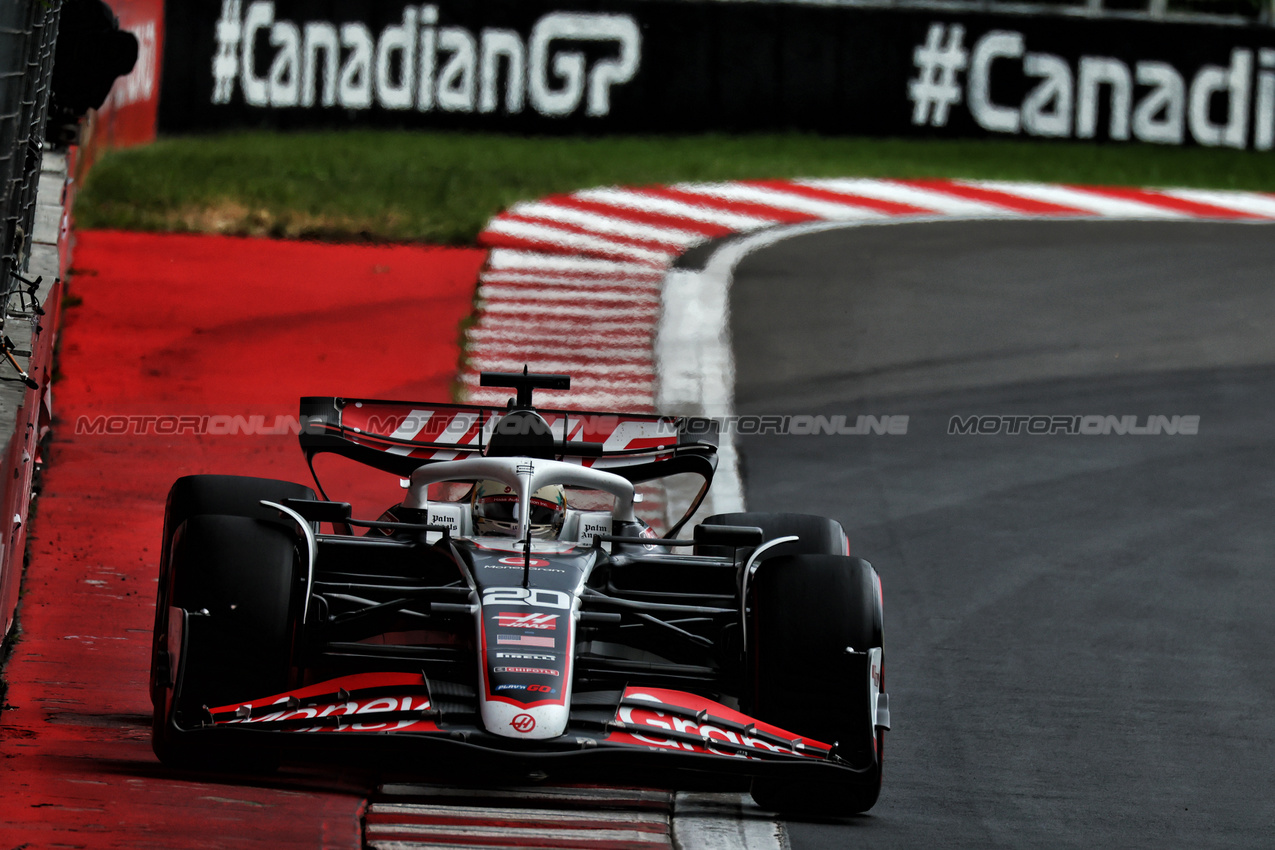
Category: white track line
[1253,203]
[510,258]
[510,293]
[914,196]
[557,238]
[520,814]
[605,372]
[672,207]
[694,365]
[558,311]
[578,355]
[585,333]
[824,209]
[723,822]
[606,224]
[641,797]
[547,836]
[1066,196]
[499,338]
[569,281]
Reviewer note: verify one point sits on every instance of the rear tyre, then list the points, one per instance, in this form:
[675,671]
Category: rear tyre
[806,610]
[244,573]
[197,495]
[819,535]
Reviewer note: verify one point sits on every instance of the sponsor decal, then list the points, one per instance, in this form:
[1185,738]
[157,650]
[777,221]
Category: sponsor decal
[1222,104]
[421,64]
[527,656]
[544,622]
[535,596]
[365,710]
[450,519]
[523,723]
[649,532]
[653,721]
[518,562]
[643,726]
[535,689]
[535,671]
[524,640]
[591,529]
[543,569]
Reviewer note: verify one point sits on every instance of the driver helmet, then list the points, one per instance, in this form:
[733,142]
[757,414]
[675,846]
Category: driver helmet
[495,507]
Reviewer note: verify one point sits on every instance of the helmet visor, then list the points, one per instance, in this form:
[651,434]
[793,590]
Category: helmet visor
[504,508]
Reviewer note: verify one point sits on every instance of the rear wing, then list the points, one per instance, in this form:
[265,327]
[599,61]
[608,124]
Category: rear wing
[401,436]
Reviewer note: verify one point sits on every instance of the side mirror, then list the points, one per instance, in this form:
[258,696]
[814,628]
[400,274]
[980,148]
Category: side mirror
[318,511]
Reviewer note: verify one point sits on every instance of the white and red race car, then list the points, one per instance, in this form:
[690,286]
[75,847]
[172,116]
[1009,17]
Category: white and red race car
[285,625]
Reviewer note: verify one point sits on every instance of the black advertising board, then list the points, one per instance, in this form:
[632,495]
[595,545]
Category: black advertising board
[679,66]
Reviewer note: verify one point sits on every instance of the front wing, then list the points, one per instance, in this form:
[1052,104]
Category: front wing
[643,728]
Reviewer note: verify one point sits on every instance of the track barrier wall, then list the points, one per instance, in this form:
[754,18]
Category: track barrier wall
[37,184]
[610,66]
[33,227]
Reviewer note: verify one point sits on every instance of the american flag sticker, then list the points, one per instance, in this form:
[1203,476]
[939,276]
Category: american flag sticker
[524,640]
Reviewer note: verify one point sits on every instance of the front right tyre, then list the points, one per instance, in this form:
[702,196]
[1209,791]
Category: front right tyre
[816,657]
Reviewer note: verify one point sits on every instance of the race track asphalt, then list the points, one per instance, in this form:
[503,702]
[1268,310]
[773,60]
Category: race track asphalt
[1078,627]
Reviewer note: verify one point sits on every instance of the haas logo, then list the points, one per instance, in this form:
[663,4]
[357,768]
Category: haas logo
[523,723]
[527,621]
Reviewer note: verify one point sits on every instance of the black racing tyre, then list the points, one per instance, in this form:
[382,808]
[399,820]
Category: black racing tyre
[806,610]
[195,495]
[232,495]
[245,573]
[819,535]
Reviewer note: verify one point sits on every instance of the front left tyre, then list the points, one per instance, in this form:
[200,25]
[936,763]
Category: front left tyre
[204,495]
[239,579]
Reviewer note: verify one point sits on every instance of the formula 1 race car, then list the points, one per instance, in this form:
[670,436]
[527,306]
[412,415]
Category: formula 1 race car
[515,611]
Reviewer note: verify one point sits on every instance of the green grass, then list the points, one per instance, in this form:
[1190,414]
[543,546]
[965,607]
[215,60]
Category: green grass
[442,187]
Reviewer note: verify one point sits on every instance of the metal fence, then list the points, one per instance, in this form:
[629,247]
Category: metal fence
[28,32]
